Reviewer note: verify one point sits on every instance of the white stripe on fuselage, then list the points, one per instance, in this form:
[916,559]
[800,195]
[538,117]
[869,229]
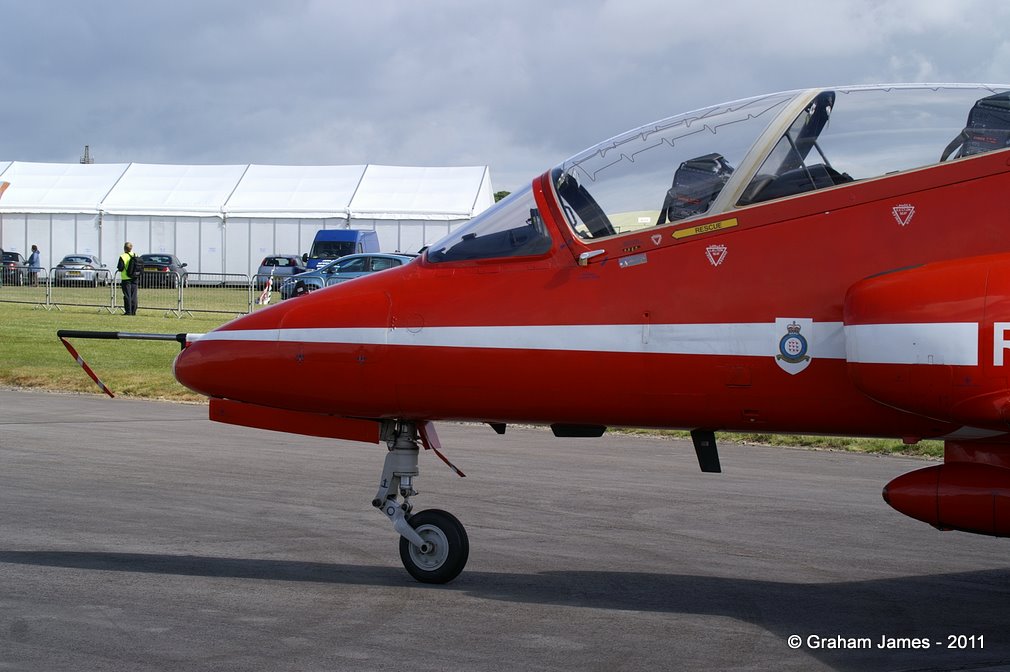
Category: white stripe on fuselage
[951,343]
[754,340]
[924,343]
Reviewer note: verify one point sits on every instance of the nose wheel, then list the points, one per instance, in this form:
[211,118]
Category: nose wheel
[445,550]
[433,544]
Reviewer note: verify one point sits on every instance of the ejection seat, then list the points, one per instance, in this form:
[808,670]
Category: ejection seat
[987,128]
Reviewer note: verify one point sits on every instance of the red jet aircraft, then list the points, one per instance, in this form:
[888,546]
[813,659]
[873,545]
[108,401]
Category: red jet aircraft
[830,261]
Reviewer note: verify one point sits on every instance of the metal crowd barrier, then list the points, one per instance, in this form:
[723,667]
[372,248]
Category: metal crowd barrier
[85,288]
[215,293]
[161,292]
[172,293]
[25,287]
[267,288]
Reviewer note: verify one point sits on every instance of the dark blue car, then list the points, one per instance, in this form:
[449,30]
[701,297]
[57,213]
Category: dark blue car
[343,269]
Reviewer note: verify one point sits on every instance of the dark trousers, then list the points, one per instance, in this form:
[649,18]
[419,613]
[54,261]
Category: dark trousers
[129,296]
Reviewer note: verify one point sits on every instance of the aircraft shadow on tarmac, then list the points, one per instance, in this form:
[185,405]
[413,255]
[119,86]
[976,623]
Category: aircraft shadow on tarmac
[931,606]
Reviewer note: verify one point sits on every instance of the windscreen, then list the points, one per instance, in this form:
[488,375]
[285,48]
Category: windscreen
[511,228]
[331,249]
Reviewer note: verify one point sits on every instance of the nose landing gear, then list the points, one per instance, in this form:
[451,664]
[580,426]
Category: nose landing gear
[433,544]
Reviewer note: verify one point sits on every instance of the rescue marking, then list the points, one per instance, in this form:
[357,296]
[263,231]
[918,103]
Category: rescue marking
[716,254]
[903,213]
[705,228]
[657,238]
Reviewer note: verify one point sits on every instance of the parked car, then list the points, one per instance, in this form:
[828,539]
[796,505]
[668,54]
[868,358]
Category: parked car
[80,268]
[162,271]
[330,244]
[343,269]
[15,268]
[281,266]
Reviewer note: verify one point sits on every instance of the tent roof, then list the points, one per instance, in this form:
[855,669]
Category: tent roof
[57,187]
[155,189]
[294,191]
[362,191]
[397,192]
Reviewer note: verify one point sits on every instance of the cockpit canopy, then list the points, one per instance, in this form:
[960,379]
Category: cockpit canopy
[756,150]
[733,155]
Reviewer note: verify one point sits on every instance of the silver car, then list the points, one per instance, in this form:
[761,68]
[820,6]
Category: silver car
[280,267]
[76,269]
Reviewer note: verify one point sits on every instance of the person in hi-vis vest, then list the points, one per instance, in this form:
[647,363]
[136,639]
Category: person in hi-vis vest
[128,283]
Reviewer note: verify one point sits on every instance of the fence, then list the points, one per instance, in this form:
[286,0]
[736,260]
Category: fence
[171,293]
[216,293]
[24,287]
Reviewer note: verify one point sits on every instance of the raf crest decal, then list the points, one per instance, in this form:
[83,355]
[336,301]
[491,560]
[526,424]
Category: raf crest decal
[794,336]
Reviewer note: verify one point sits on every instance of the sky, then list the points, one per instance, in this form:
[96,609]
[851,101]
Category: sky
[518,86]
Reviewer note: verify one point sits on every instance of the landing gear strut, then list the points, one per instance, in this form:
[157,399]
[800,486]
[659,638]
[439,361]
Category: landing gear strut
[433,544]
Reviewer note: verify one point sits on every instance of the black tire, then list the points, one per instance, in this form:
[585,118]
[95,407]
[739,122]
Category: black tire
[450,551]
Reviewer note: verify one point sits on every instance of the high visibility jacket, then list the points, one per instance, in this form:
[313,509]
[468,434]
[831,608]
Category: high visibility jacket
[124,265]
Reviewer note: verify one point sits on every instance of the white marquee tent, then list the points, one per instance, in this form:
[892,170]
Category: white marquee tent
[225,219]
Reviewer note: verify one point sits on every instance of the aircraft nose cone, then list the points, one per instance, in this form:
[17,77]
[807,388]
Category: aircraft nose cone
[272,356]
[190,372]
[229,362]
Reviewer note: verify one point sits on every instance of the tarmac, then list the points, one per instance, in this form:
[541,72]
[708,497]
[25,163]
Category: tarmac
[137,535]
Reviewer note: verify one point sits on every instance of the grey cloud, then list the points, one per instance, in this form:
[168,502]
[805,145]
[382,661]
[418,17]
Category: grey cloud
[518,86]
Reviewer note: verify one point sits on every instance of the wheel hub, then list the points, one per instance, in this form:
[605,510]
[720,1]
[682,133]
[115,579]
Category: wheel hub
[433,552]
